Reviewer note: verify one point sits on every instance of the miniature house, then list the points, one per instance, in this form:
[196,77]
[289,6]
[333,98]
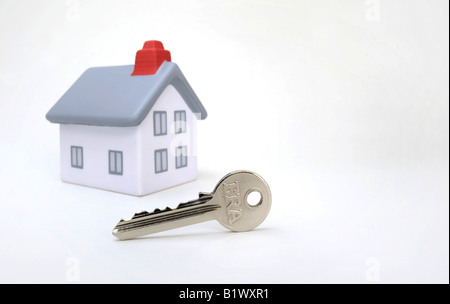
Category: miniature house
[129,129]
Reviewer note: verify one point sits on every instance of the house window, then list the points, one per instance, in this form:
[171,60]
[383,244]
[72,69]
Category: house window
[160,160]
[181,157]
[180,122]
[159,123]
[115,162]
[76,157]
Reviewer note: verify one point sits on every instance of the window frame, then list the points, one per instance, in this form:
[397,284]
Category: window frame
[114,154]
[162,123]
[76,157]
[158,156]
[180,124]
[181,159]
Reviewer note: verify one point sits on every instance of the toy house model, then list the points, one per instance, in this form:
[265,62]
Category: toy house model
[129,129]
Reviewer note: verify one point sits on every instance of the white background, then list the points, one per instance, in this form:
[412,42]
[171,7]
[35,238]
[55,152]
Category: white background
[342,106]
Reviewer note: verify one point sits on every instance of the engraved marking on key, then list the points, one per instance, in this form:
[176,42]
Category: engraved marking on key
[231,193]
[227,204]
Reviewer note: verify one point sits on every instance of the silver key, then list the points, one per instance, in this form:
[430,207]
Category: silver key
[228,204]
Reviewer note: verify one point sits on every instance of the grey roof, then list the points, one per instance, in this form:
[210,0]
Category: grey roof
[109,96]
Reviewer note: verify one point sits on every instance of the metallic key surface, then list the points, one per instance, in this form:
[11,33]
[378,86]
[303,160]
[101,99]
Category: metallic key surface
[229,203]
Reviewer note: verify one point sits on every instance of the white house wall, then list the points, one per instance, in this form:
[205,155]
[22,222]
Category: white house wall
[169,101]
[138,145]
[96,142]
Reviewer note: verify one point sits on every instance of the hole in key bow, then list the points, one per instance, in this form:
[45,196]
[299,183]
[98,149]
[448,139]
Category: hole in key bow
[254,198]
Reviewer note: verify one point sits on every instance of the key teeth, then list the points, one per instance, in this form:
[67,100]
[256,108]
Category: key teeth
[120,222]
[157,210]
[203,197]
[145,213]
[182,205]
[140,214]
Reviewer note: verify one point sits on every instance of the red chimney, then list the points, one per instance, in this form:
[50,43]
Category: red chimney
[150,58]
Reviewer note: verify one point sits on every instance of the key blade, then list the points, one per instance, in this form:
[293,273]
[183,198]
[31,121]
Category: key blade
[202,198]
[144,223]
